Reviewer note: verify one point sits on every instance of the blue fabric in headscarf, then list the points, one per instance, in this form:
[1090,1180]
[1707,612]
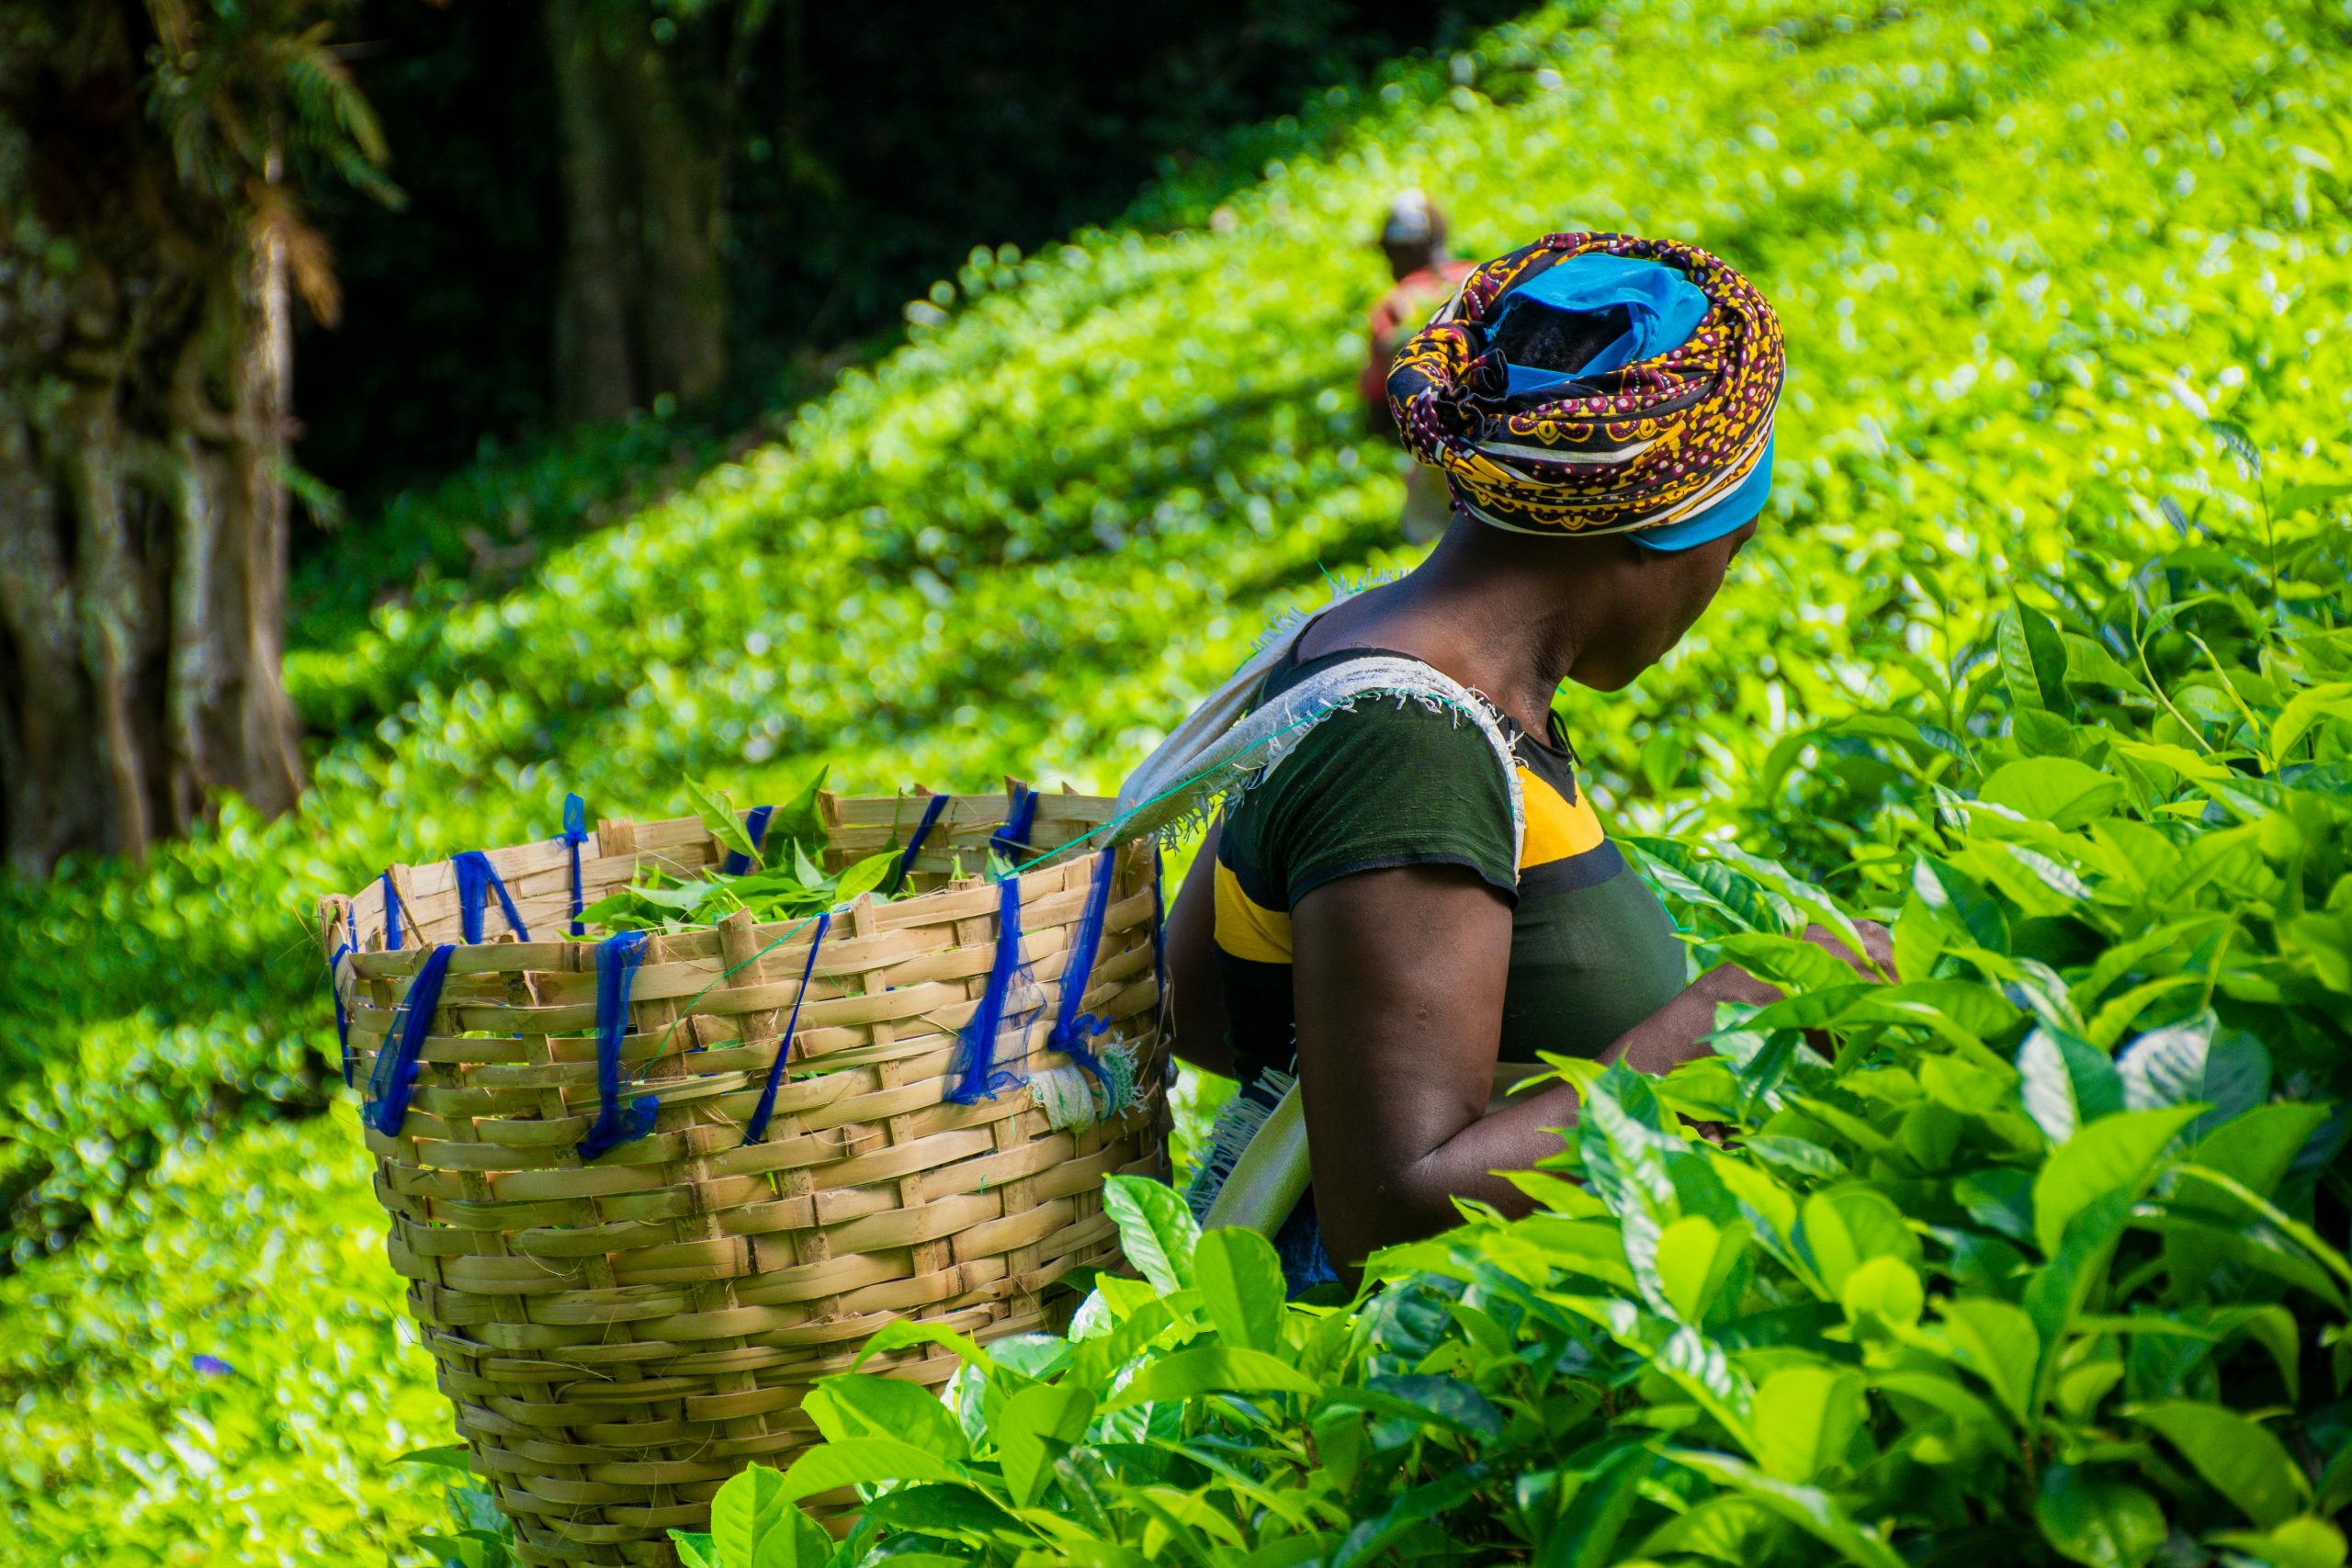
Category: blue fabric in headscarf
[1662,308]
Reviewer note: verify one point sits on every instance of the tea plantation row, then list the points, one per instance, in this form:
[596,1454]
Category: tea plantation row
[2030,259]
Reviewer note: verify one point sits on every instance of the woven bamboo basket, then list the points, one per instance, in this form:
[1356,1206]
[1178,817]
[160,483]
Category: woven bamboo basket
[621,1334]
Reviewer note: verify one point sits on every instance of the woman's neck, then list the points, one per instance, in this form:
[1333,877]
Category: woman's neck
[1508,628]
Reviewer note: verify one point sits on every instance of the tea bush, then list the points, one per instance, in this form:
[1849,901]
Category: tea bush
[2033,1255]
[2038,264]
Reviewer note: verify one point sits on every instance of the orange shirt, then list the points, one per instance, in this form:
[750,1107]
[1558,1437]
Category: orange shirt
[1401,313]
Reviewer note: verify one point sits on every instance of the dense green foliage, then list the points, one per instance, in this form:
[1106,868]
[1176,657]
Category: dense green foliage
[2023,257]
[2019,1262]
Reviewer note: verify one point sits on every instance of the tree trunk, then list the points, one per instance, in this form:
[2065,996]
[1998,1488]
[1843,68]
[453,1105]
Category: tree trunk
[145,352]
[641,290]
[596,374]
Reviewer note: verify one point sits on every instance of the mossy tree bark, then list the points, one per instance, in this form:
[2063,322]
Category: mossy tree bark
[144,386]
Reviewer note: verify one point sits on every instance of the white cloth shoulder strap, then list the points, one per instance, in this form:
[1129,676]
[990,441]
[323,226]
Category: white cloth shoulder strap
[1225,745]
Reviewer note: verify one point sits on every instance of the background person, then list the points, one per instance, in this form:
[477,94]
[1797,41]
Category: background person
[1413,237]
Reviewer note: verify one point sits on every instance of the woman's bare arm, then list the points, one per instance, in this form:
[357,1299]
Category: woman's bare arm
[1399,979]
[1196,992]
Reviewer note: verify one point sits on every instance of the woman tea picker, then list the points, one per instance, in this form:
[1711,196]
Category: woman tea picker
[1409,895]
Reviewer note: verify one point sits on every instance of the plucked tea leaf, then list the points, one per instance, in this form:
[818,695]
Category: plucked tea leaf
[717,812]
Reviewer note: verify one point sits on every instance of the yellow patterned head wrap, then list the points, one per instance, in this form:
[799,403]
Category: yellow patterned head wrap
[1647,447]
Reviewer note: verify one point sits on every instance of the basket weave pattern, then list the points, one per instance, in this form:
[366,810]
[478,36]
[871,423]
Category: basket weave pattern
[622,1335]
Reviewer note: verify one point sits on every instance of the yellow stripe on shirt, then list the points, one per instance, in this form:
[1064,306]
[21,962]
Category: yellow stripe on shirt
[1556,826]
[1247,929]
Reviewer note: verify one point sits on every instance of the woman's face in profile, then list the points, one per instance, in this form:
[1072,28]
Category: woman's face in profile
[1658,596]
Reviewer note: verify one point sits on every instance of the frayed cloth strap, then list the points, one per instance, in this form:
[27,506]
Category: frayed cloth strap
[575,833]
[976,1078]
[477,880]
[757,1128]
[617,957]
[1072,1029]
[1252,747]
[342,950]
[756,828]
[1012,841]
[932,808]
[394,1077]
[1180,756]
[391,914]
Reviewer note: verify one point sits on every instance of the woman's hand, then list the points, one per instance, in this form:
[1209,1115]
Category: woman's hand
[1878,949]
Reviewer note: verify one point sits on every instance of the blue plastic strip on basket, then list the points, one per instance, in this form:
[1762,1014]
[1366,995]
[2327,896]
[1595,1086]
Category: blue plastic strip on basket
[392,915]
[758,1127]
[617,957]
[1072,1029]
[342,1015]
[937,804]
[1012,841]
[477,880]
[756,827]
[394,1077]
[575,833]
[976,1078]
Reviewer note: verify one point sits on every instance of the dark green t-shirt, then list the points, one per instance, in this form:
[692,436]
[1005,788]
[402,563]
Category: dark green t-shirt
[1390,783]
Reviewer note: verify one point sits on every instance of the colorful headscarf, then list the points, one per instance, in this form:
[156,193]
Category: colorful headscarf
[1640,446]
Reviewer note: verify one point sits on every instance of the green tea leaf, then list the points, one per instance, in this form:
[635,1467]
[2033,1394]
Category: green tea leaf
[752,1520]
[2057,790]
[1961,903]
[856,1461]
[1694,1259]
[2115,1155]
[2033,660]
[1241,1287]
[1157,1230]
[1812,1510]
[2065,1081]
[864,876]
[2098,1520]
[1998,1342]
[1212,1368]
[1027,1429]
[717,812]
[860,1405]
[1803,1419]
[2240,1459]
[2303,1542]
[1847,1227]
